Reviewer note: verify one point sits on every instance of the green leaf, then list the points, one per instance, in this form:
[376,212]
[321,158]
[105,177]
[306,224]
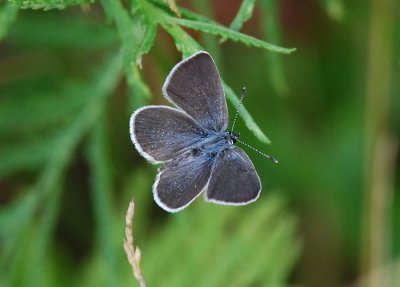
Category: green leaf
[244,14]
[8,14]
[222,31]
[146,43]
[137,36]
[126,30]
[47,4]
[183,41]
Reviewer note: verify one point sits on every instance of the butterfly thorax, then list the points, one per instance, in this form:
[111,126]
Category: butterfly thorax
[218,141]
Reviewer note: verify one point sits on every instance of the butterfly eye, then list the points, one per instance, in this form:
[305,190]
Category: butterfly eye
[213,154]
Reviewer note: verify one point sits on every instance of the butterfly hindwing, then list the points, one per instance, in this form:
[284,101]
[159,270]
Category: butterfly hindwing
[234,180]
[181,180]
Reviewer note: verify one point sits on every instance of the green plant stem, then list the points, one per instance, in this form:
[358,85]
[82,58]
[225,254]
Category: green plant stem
[379,154]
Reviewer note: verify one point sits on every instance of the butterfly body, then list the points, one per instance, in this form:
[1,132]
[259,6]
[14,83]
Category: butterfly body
[192,142]
[215,142]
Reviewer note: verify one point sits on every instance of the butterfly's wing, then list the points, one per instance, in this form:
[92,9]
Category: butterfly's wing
[194,85]
[234,180]
[161,133]
[181,180]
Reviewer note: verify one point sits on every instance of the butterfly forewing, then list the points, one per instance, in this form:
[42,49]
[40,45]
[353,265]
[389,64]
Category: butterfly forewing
[194,85]
[161,133]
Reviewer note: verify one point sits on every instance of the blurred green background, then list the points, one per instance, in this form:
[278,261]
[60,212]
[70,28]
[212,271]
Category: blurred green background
[72,72]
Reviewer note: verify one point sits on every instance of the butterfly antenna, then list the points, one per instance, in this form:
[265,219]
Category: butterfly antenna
[238,107]
[260,152]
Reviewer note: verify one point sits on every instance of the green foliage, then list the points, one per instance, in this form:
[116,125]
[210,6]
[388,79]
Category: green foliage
[70,79]
[47,189]
[64,110]
[47,4]
[233,252]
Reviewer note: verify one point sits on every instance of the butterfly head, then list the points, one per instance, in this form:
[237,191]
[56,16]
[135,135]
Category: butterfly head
[231,137]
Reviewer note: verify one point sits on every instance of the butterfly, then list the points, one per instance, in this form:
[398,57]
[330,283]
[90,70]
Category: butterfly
[192,142]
